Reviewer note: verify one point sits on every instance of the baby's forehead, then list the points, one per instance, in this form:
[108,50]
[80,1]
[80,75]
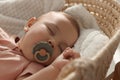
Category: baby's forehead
[53,13]
[53,17]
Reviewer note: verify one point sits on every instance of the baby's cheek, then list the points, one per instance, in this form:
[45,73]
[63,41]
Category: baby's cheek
[57,51]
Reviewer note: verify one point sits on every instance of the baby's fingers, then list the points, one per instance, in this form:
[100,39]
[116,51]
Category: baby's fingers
[70,54]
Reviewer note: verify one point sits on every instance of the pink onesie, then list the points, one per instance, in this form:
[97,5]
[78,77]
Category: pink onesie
[12,63]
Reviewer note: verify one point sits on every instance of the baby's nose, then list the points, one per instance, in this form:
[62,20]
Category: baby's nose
[51,43]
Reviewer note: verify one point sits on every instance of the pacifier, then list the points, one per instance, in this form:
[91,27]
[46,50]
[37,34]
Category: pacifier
[42,52]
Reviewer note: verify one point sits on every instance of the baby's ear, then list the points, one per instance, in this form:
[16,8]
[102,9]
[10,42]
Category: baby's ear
[30,22]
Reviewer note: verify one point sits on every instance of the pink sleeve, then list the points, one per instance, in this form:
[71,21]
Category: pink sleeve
[11,65]
[3,34]
[31,69]
[6,41]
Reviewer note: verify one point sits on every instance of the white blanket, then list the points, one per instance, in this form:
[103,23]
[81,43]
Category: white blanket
[15,13]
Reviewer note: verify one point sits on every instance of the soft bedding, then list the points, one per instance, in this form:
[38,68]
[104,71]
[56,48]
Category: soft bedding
[91,38]
[90,33]
[15,13]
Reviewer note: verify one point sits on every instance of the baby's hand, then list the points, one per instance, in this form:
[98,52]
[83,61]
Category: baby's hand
[67,55]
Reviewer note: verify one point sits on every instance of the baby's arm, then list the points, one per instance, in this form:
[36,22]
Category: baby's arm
[51,72]
[48,73]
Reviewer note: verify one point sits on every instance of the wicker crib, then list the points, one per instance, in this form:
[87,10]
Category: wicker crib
[107,14]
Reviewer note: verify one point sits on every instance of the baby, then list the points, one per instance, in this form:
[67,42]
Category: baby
[42,52]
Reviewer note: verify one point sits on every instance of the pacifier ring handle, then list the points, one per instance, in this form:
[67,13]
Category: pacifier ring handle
[42,52]
[40,58]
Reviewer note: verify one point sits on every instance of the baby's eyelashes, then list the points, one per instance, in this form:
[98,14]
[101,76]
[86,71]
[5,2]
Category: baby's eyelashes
[51,31]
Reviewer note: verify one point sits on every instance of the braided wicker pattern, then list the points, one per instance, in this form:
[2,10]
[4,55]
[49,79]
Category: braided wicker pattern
[106,13]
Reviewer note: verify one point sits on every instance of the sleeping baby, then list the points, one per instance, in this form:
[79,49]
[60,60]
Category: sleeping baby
[42,52]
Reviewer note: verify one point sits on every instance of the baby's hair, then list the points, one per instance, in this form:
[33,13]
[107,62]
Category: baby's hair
[73,21]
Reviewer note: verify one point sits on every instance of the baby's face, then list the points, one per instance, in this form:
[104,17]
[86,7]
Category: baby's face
[52,27]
